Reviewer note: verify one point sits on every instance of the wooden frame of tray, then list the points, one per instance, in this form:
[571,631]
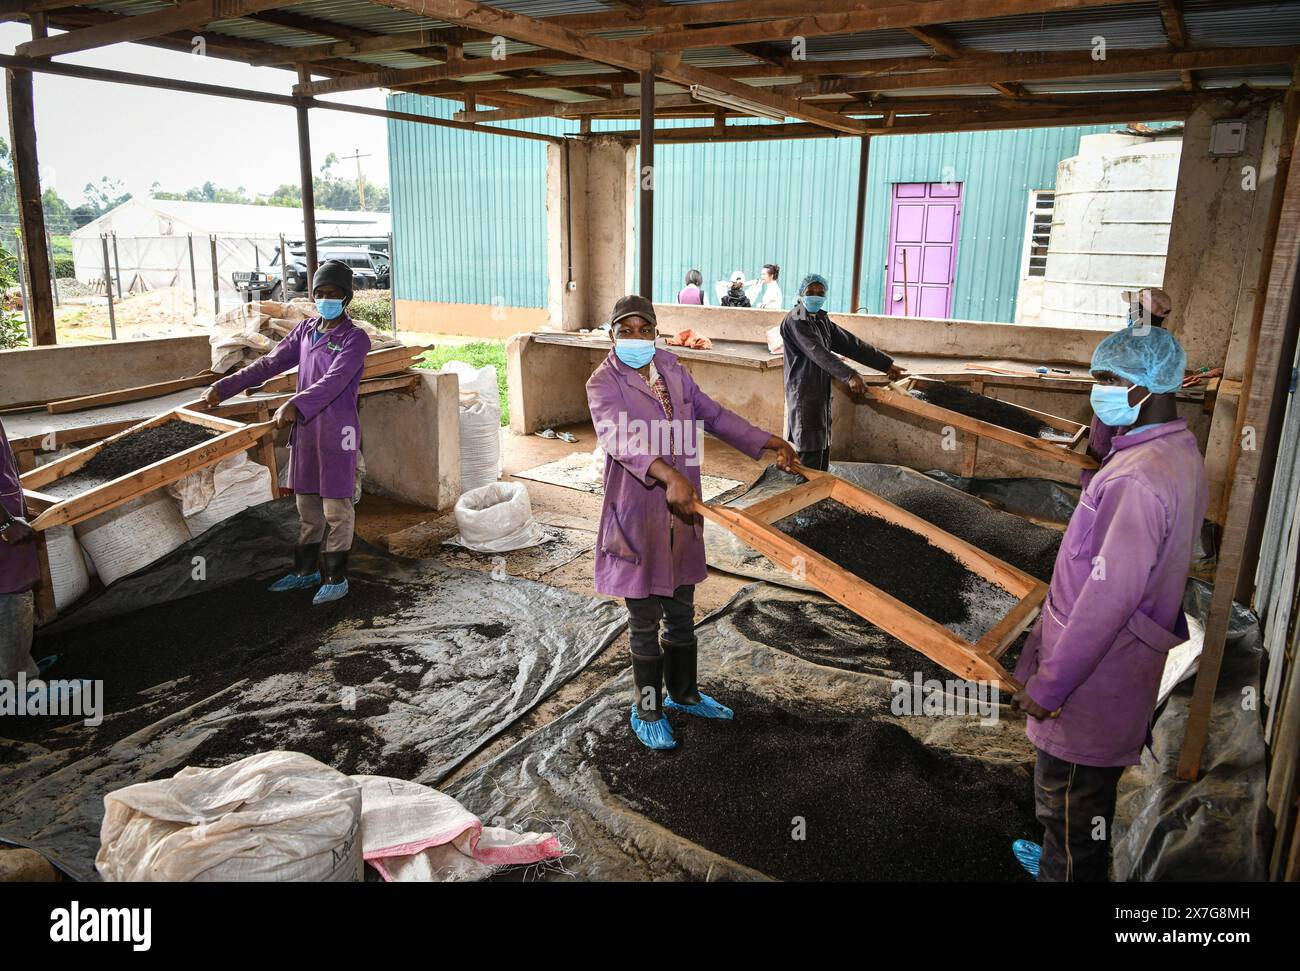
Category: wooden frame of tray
[232,437]
[896,395]
[973,661]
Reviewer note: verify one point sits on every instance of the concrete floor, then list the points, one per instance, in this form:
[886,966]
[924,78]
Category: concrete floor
[377,517]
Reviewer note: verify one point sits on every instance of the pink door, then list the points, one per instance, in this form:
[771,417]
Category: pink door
[922,248]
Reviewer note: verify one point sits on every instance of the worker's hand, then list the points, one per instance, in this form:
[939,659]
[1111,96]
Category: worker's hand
[18,531]
[1196,377]
[681,495]
[1021,701]
[786,458]
[286,415]
[895,373]
[856,385]
[211,398]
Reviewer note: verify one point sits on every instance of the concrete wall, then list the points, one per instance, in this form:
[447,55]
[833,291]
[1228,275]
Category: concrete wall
[69,370]
[470,319]
[411,442]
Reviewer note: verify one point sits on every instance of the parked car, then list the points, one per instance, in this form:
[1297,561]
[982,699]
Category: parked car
[369,271]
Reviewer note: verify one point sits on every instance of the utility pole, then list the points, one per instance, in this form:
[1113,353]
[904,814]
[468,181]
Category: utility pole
[361,179]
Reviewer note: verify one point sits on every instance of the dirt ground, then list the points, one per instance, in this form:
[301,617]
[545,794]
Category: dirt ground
[377,517]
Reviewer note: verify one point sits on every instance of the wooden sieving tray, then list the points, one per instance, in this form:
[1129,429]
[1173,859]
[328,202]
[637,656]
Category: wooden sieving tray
[896,396]
[973,661]
[232,437]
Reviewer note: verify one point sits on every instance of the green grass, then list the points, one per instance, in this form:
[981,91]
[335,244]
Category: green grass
[374,307]
[478,354]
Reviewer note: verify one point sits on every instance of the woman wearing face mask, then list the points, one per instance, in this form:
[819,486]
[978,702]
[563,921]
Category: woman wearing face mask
[329,352]
[648,413]
[812,342]
[1091,667]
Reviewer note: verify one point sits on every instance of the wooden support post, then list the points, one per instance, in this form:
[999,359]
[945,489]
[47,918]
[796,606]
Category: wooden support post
[27,185]
[1278,301]
[860,224]
[108,287]
[44,592]
[647,184]
[971,443]
[306,178]
[392,284]
[266,451]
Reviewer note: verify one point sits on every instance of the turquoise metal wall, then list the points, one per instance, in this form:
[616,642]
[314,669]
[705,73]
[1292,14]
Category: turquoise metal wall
[469,210]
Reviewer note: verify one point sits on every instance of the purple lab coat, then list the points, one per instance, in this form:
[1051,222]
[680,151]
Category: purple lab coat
[19,568]
[327,437]
[1100,435]
[1114,609]
[641,547]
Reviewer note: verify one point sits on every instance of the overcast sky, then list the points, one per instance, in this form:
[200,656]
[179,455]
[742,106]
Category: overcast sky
[85,129]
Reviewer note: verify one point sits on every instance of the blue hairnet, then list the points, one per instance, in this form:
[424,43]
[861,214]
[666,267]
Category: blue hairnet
[1150,357]
[810,279]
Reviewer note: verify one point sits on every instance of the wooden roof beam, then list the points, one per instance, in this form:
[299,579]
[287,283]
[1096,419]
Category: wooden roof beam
[382,43]
[407,77]
[190,15]
[937,38]
[606,106]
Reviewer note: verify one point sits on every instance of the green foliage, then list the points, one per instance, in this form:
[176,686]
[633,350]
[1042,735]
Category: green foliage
[64,267]
[478,354]
[13,330]
[372,306]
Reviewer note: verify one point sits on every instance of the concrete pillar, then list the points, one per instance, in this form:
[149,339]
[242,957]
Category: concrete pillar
[602,191]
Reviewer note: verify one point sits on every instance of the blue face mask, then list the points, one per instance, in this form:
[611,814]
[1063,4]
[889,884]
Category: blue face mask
[812,303]
[1110,402]
[634,353]
[330,309]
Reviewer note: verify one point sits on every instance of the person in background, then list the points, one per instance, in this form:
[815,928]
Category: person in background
[330,353]
[693,292]
[733,294]
[1091,667]
[764,293]
[812,342]
[647,411]
[1148,307]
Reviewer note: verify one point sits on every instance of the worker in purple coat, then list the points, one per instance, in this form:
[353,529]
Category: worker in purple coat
[648,414]
[330,353]
[1146,308]
[1091,667]
[19,572]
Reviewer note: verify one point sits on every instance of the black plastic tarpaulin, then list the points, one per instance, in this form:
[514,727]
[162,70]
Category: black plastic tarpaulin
[410,674]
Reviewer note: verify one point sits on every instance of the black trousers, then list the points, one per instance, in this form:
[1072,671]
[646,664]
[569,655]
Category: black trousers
[816,460]
[676,612]
[1076,805]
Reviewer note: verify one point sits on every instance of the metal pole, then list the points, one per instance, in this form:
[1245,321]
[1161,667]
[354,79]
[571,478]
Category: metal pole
[859,227]
[305,176]
[54,273]
[108,286]
[216,280]
[284,270]
[392,284]
[194,279]
[646,281]
[117,266]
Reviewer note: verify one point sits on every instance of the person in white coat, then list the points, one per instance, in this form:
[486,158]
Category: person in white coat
[765,293]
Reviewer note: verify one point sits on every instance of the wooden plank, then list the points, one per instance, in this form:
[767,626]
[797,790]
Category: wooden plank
[266,452]
[46,609]
[1272,328]
[137,393]
[1004,633]
[389,360]
[790,501]
[405,77]
[112,494]
[186,16]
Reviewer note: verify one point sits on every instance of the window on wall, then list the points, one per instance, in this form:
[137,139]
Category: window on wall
[1038,232]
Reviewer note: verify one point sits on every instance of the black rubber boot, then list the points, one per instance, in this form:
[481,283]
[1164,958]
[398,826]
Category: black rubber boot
[334,566]
[648,673]
[679,673]
[305,558]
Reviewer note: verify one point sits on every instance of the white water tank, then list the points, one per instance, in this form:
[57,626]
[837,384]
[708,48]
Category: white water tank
[1110,228]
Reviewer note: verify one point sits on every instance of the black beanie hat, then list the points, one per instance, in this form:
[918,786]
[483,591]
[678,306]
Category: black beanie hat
[333,272]
[632,306]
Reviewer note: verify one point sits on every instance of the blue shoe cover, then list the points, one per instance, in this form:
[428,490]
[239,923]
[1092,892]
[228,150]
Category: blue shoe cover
[330,591]
[707,707]
[1028,853]
[656,735]
[291,581]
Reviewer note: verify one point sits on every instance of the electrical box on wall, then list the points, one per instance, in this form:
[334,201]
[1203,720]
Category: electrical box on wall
[1228,137]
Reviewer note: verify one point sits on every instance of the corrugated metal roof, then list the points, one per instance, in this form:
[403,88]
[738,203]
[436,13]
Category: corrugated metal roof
[1244,23]
[1127,26]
